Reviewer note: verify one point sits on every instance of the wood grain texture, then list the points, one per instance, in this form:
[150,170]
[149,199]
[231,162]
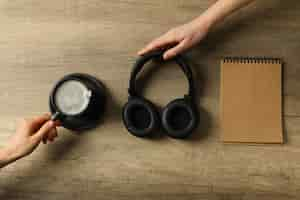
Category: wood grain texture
[41,41]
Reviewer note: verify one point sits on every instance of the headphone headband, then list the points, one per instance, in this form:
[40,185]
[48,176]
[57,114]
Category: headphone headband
[159,55]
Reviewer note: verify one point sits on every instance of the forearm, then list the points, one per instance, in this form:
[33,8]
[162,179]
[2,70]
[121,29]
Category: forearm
[6,157]
[220,10]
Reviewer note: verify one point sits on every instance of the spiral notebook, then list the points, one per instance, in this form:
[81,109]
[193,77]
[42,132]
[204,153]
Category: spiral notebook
[251,100]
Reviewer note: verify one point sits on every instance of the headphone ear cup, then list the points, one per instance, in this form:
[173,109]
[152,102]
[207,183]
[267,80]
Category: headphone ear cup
[179,118]
[140,117]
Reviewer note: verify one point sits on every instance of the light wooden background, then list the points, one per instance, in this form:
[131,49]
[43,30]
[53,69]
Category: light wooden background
[40,41]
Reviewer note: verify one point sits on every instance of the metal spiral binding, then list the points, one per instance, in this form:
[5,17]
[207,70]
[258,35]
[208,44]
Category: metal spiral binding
[259,60]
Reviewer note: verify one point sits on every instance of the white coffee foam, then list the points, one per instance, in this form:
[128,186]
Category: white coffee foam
[72,97]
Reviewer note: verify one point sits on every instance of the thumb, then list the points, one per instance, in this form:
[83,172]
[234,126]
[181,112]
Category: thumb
[44,130]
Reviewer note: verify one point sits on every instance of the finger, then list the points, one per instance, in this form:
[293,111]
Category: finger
[181,47]
[52,134]
[44,139]
[37,122]
[158,44]
[57,123]
[44,130]
[154,45]
[56,134]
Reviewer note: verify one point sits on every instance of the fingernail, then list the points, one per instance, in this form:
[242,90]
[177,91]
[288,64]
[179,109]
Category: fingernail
[165,56]
[51,123]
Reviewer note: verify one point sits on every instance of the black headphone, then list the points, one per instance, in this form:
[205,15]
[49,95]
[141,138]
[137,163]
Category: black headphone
[179,118]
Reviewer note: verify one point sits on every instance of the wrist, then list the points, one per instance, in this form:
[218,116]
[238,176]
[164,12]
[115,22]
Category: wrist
[216,13]
[204,21]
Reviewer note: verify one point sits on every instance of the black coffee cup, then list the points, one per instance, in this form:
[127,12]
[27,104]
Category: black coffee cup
[78,101]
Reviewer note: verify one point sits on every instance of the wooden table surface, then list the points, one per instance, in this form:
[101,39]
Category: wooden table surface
[41,41]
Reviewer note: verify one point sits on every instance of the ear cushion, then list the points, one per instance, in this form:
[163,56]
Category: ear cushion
[179,118]
[140,117]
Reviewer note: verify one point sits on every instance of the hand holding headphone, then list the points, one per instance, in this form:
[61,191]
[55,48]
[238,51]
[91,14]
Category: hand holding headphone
[142,118]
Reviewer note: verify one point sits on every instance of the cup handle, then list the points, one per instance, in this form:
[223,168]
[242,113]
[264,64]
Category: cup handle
[56,116]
